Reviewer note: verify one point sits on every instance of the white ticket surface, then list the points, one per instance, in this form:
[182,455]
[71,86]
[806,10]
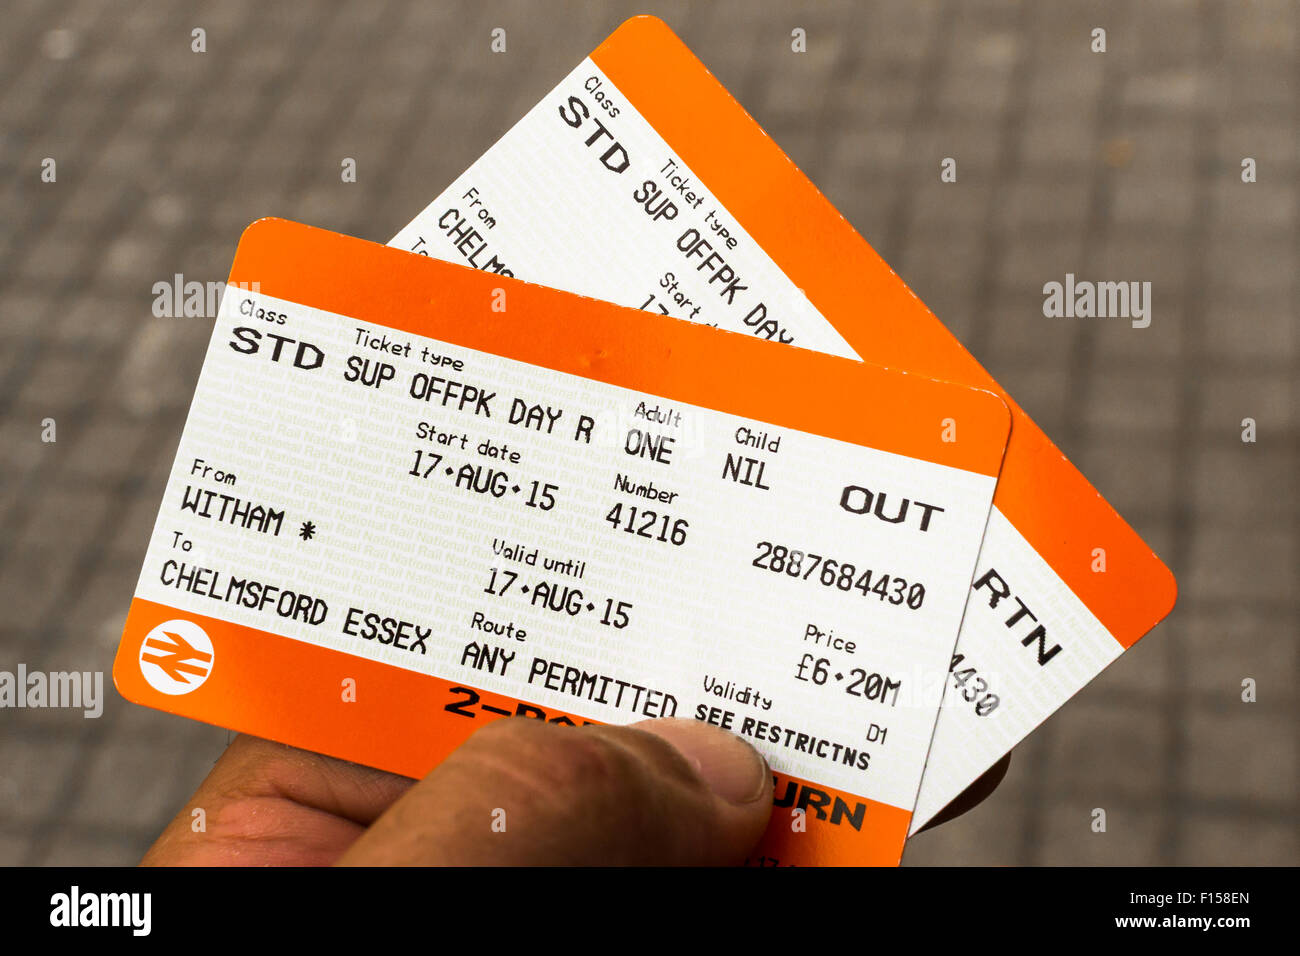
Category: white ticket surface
[568,542]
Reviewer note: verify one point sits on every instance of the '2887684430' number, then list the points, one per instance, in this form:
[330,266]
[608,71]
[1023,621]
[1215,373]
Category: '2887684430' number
[842,575]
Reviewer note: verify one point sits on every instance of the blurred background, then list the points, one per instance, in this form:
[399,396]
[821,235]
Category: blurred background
[1124,165]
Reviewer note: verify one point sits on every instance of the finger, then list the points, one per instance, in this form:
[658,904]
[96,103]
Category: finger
[525,792]
[973,795]
[266,803]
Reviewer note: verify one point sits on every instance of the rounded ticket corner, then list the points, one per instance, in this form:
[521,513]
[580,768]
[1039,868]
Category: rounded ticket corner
[1166,585]
[1003,408]
[645,22]
[999,410]
[263,224]
[1171,588]
[123,686]
[991,397]
[275,226]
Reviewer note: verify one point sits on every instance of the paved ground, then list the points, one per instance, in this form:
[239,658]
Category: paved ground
[1122,165]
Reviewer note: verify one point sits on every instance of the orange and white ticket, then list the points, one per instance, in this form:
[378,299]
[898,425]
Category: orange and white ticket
[411,497]
[641,181]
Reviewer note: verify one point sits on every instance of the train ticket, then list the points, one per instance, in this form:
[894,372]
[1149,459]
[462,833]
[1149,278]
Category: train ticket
[638,179]
[412,496]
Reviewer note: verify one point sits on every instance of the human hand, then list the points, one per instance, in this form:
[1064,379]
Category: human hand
[659,792]
[663,791]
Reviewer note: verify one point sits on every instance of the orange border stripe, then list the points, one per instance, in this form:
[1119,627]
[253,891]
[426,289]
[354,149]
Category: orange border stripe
[291,691]
[1040,492]
[667,357]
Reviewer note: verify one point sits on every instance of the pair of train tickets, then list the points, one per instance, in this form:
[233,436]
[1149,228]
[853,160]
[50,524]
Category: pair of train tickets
[627,423]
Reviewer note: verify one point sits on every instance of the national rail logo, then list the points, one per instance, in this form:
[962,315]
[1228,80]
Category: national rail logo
[176,657]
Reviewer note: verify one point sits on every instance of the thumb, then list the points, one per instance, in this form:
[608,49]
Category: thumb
[525,792]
